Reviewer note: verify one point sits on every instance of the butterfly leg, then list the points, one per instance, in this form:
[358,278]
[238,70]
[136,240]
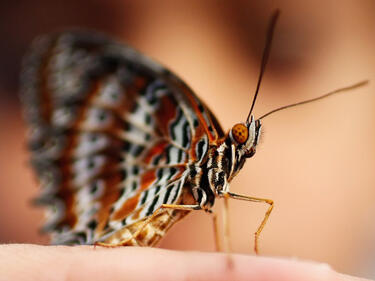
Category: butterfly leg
[254,199]
[226,237]
[216,230]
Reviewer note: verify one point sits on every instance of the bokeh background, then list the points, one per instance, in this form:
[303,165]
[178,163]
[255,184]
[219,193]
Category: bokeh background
[316,161]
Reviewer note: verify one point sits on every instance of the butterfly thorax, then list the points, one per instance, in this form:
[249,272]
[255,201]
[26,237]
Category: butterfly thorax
[211,178]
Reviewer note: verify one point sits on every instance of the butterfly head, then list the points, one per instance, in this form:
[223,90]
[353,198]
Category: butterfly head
[245,136]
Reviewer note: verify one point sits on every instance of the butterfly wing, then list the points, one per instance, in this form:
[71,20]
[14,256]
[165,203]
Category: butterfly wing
[112,134]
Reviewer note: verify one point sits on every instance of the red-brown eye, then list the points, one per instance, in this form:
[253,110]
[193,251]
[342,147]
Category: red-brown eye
[240,133]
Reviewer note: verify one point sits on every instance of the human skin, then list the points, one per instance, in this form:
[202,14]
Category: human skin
[33,262]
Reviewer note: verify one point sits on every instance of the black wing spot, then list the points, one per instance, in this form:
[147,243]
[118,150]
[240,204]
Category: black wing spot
[152,206]
[94,188]
[175,123]
[185,135]
[160,173]
[121,192]
[167,194]
[144,198]
[81,237]
[157,189]
[93,138]
[114,96]
[126,146]
[135,170]
[180,155]
[167,154]
[148,119]
[138,150]
[135,107]
[102,116]
[157,159]
[196,123]
[92,224]
[123,174]
[134,185]
[172,171]
[90,164]
[200,148]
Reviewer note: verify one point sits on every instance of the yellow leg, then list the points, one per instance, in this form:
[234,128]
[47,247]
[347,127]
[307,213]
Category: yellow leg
[216,232]
[254,199]
[226,238]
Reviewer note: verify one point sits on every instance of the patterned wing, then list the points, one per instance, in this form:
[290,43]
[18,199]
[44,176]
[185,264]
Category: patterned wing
[112,134]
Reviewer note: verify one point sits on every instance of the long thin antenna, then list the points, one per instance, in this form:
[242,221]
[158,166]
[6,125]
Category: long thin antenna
[354,86]
[266,53]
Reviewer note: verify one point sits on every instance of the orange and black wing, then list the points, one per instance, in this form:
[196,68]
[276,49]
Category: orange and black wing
[112,134]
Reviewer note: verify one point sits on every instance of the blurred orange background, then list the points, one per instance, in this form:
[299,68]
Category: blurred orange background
[315,161]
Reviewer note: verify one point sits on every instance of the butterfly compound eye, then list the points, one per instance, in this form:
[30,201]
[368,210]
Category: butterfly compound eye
[240,133]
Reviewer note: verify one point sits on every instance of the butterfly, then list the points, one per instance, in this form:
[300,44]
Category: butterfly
[122,147]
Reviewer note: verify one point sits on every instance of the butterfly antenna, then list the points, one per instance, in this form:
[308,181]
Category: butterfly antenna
[266,53]
[354,86]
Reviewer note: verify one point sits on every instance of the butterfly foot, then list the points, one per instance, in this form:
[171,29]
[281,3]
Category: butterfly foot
[106,245]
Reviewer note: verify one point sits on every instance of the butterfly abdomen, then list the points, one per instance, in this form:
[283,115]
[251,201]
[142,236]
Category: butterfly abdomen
[148,232]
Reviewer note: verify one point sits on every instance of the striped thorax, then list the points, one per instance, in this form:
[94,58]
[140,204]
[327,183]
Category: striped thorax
[223,161]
